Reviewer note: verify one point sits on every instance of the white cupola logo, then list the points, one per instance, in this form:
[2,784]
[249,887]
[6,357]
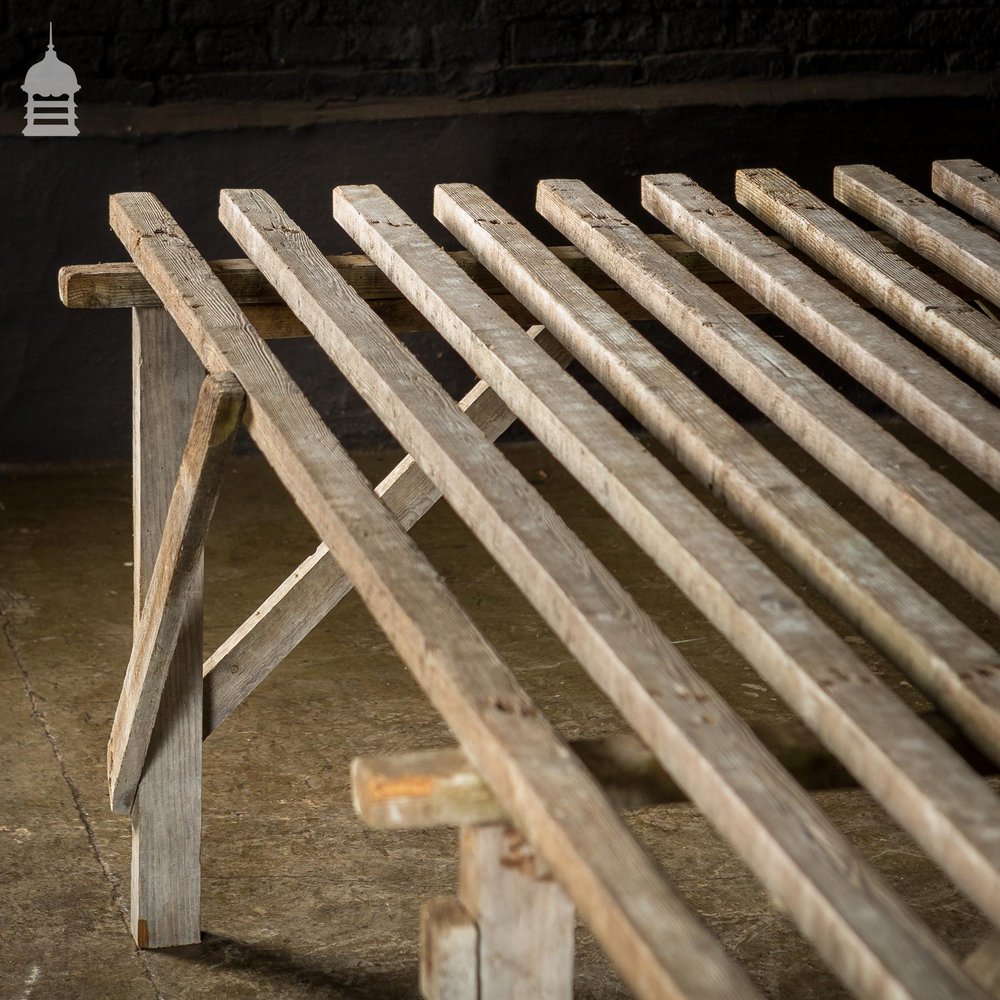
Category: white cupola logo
[50,86]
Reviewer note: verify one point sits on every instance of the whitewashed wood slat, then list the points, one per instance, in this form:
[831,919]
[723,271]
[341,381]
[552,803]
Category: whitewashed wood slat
[870,729]
[177,571]
[318,584]
[165,901]
[525,922]
[921,504]
[942,655]
[970,186]
[942,237]
[957,329]
[660,947]
[947,410]
[721,766]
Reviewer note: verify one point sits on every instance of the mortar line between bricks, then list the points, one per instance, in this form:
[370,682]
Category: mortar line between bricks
[116,891]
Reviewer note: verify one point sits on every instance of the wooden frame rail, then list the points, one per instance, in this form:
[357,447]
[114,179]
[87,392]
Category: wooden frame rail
[541,836]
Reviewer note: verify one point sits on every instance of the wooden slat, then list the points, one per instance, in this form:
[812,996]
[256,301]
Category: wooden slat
[931,398]
[660,947]
[166,818]
[921,504]
[939,235]
[942,656]
[525,921]
[970,186]
[958,330]
[177,570]
[318,584]
[870,729]
[427,788]
[618,645]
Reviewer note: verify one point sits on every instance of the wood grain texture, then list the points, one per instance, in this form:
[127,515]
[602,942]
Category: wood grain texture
[942,656]
[166,816]
[449,951]
[525,921]
[177,570]
[869,728]
[921,504]
[957,329]
[318,584]
[970,186]
[947,410]
[937,234]
[594,447]
[427,788]
[654,939]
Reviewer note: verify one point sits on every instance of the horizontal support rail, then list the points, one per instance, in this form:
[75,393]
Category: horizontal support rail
[429,788]
[121,285]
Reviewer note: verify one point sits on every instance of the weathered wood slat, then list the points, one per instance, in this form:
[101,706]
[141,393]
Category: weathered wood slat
[525,921]
[870,729]
[921,504]
[937,234]
[970,186]
[957,329]
[318,584]
[427,788]
[176,573]
[944,657]
[659,946]
[931,398]
[810,882]
[164,908]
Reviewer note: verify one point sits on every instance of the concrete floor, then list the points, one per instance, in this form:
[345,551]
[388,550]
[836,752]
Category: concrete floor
[299,899]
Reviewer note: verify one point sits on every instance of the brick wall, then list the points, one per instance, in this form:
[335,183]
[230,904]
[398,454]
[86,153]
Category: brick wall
[161,50]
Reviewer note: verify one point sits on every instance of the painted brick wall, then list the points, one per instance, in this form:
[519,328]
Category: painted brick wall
[150,51]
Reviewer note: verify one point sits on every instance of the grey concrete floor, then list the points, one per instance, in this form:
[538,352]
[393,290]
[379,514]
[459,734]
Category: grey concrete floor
[299,898]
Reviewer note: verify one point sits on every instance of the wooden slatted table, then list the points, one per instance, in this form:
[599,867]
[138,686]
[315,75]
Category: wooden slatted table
[542,839]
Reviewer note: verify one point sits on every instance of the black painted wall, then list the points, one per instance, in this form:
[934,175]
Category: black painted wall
[64,375]
[150,51]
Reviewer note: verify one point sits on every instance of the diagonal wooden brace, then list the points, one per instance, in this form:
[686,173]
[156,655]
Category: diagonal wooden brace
[216,419]
[318,584]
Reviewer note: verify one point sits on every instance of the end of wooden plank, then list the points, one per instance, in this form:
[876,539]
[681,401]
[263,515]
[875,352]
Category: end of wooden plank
[421,789]
[449,951]
[846,179]
[656,190]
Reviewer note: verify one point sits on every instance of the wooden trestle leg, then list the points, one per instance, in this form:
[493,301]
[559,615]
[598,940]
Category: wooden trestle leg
[510,932]
[166,816]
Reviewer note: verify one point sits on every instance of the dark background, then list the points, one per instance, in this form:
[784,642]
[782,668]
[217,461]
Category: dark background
[185,98]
